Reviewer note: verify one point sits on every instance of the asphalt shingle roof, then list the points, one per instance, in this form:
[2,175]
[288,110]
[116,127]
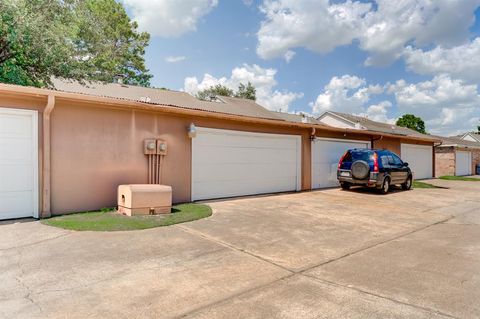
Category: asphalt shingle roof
[224,105]
[457,141]
[227,105]
[381,127]
[297,118]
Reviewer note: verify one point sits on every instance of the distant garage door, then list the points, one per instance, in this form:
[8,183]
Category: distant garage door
[326,154]
[463,163]
[419,158]
[18,163]
[229,163]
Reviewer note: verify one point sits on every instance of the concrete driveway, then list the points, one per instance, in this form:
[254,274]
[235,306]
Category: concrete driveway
[322,254]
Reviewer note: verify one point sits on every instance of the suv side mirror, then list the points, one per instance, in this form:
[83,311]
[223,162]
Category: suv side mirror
[405,164]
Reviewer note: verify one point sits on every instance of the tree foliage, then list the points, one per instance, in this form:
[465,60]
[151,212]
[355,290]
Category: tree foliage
[412,122]
[73,39]
[247,91]
[213,91]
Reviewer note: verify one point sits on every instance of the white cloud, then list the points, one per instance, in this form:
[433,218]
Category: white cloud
[460,62]
[289,55]
[378,112]
[169,18]
[345,94]
[313,24]
[422,22]
[262,79]
[383,31]
[175,59]
[447,105]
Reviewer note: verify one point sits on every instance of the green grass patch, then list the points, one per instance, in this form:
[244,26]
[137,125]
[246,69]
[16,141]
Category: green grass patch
[418,184]
[460,178]
[109,220]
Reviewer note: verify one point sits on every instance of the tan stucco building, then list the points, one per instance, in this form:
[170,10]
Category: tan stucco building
[67,150]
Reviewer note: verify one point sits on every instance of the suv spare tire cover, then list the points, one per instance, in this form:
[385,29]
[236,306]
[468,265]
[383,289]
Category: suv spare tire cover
[360,169]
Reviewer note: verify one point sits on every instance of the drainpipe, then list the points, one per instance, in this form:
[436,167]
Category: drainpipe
[46,212]
[312,134]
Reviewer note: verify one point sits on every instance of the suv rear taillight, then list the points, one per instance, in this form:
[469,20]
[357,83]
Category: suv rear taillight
[341,160]
[375,162]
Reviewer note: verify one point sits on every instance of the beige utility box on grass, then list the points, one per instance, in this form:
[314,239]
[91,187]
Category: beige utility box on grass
[144,199]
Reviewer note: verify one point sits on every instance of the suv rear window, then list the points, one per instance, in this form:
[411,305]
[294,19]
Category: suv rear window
[354,155]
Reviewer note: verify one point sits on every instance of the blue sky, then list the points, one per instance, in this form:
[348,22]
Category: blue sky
[372,58]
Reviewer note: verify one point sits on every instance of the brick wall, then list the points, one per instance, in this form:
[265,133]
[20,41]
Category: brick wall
[475,159]
[444,161]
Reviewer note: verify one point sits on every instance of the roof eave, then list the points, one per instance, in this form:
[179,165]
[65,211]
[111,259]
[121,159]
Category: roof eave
[460,146]
[17,90]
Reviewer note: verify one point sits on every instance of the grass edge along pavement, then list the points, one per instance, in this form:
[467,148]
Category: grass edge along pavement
[109,220]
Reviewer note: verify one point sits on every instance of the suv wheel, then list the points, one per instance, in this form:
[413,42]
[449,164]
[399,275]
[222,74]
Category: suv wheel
[408,184]
[385,186]
[345,185]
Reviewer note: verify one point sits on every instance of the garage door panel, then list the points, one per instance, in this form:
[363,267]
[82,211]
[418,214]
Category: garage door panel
[325,156]
[463,163]
[334,150]
[205,190]
[14,205]
[213,154]
[239,139]
[19,178]
[18,163]
[15,125]
[231,163]
[419,159]
[325,175]
[250,171]
[15,150]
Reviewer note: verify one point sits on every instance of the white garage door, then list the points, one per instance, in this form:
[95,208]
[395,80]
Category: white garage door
[325,156]
[419,158]
[18,163]
[232,163]
[463,165]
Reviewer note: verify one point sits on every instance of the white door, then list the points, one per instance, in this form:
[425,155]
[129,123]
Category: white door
[229,163]
[326,154]
[18,163]
[463,163]
[419,159]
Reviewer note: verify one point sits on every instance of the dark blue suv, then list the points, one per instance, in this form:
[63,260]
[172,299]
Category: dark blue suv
[373,168]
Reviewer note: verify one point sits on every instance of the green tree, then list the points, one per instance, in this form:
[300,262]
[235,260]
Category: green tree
[246,91]
[73,39]
[220,90]
[412,122]
[112,43]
